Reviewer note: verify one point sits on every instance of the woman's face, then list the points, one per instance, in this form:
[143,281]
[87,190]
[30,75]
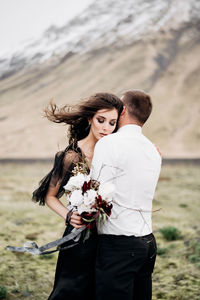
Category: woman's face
[103,123]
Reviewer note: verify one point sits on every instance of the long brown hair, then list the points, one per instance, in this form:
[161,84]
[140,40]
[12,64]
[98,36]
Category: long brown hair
[77,116]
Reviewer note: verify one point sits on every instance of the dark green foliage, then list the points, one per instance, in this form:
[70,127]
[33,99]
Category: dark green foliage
[183,205]
[3,292]
[46,256]
[162,251]
[194,252]
[170,233]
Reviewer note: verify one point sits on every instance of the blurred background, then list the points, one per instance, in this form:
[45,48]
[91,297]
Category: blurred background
[66,50]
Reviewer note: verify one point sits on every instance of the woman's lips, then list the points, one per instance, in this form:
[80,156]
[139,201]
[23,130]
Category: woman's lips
[103,134]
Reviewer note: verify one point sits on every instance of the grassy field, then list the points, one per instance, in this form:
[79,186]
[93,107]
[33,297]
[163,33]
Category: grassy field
[176,227]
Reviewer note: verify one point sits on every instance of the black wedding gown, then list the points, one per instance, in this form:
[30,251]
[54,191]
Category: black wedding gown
[75,271]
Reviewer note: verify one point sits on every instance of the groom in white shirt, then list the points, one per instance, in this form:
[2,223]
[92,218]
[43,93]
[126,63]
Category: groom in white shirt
[127,247]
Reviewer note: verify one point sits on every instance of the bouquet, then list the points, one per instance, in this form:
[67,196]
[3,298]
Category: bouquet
[91,198]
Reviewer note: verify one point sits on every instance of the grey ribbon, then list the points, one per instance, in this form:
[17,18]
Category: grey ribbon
[75,235]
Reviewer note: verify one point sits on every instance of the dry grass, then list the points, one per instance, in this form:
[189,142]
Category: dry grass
[176,274]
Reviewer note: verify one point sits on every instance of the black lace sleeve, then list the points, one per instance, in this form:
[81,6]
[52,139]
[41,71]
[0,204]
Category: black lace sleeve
[59,175]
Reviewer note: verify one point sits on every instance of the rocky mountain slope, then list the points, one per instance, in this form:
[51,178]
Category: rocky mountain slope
[112,46]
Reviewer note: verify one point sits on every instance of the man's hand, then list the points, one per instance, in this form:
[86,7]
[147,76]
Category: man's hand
[76,220]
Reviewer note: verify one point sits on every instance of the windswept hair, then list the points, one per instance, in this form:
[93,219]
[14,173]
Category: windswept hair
[77,116]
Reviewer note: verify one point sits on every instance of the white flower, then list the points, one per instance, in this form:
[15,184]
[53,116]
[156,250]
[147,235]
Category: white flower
[76,198]
[82,208]
[89,197]
[76,182]
[106,190]
[85,208]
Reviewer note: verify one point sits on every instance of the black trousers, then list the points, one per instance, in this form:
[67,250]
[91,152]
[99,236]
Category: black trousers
[124,267]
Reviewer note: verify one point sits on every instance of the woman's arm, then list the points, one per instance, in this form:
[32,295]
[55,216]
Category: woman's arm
[56,205]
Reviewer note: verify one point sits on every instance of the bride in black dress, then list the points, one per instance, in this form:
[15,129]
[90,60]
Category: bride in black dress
[89,121]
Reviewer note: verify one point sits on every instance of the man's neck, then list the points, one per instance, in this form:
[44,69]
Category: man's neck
[129,123]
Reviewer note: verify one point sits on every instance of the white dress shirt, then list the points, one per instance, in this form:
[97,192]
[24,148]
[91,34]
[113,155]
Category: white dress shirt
[132,163]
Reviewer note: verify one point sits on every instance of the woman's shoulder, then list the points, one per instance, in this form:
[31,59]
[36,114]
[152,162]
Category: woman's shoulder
[71,148]
[72,153]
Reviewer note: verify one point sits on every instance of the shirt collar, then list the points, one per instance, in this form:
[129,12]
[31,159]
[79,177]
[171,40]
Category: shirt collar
[131,128]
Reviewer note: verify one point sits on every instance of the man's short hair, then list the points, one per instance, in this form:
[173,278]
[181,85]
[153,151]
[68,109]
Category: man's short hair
[138,104]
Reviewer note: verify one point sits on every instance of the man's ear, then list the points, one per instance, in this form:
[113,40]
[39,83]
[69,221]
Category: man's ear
[123,111]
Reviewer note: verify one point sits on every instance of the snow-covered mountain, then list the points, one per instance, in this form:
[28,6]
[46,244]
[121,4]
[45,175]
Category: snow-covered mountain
[104,23]
[112,46]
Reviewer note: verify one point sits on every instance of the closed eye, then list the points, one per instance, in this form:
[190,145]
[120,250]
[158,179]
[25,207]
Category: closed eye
[100,120]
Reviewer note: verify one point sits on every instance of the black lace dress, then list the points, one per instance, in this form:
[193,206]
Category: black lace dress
[75,271]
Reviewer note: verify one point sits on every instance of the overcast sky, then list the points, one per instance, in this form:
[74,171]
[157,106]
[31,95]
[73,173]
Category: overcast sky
[23,19]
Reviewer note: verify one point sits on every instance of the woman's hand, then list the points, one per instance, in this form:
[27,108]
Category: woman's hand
[54,203]
[76,220]
[158,150]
